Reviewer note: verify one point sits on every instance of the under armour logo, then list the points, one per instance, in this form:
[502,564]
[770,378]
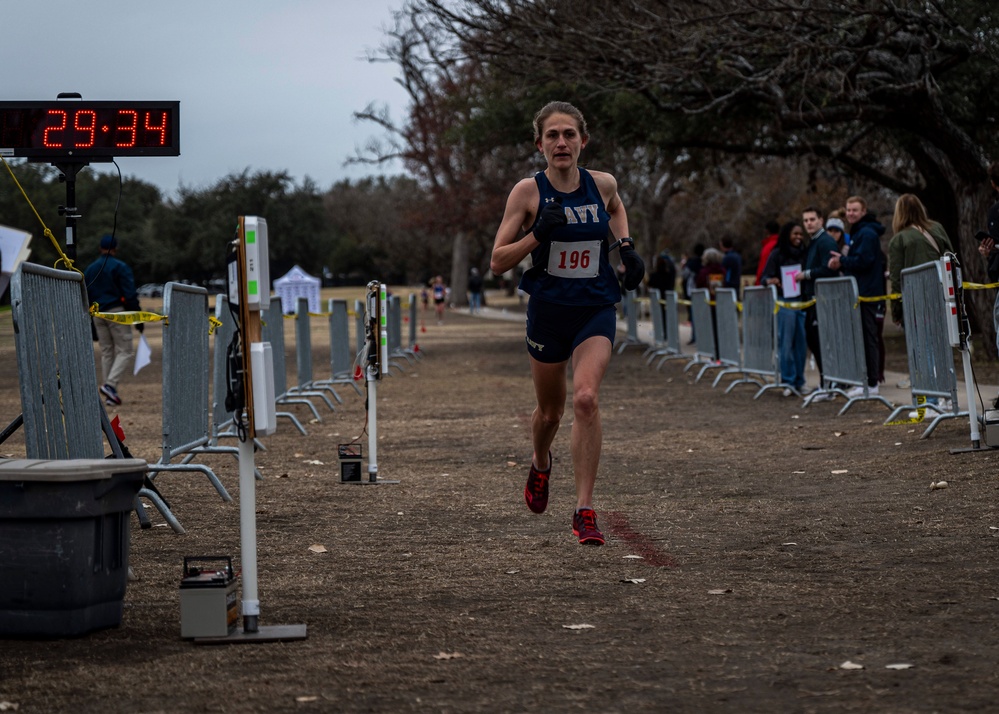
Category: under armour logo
[549,200]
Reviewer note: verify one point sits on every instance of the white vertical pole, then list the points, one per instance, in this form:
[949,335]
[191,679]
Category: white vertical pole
[248,535]
[372,423]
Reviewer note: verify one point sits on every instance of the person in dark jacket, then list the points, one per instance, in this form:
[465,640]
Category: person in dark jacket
[865,263]
[820,248]
[111,285]
[987,246]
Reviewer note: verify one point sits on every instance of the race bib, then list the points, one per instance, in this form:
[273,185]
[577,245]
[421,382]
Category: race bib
[579,259]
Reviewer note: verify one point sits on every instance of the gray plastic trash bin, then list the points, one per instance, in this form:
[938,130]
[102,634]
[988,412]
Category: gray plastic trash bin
[64,539]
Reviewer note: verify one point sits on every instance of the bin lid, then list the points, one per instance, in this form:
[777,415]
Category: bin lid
[66,470]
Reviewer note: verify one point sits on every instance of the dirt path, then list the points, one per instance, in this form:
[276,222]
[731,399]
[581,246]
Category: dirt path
[773,544]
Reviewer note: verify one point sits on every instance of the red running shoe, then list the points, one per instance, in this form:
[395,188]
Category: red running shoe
[536,490]
[584,527]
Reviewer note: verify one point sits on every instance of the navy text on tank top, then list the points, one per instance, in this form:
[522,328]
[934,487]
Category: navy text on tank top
[572,268]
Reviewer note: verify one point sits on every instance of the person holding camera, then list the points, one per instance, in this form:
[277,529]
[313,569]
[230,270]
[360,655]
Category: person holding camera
[568,219]
[111,285]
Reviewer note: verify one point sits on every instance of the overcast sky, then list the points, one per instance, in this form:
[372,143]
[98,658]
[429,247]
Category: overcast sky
[262,84]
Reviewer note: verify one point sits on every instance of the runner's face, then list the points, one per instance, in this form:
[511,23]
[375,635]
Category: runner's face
[561,141]
[797,236]
[812,221]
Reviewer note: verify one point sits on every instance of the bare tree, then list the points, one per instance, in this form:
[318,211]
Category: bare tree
[900,92]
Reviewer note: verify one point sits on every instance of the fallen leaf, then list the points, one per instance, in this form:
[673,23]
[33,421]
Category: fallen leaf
[938,484]
[306,699]
[837,433]
[632,557]
[155,525]
[512,572]
[851,665]
[789,543]
[898,443]
[797,472]
[511,463]
[634,581]
[840,471]
[724,591]
[899,666]
[314,462]
[794,416]
[579,627]
[448,655]
[8,707]
[317,548]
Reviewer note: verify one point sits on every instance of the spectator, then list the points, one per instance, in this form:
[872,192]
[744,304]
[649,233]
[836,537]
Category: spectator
[732,262]
[988,248]
[864,262]
[663,277]
[711,277]
[820,248]
[772,227]
[791,345]
[691,267]
[111,285]
[836,229]
[474,291]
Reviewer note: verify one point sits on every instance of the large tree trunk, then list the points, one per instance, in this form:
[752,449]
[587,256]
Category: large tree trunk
[972,206]
[459,270]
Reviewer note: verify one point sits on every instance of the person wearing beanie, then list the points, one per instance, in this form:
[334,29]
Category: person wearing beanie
[111,285]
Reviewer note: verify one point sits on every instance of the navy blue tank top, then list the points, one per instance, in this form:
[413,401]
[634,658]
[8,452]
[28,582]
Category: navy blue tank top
[572,268]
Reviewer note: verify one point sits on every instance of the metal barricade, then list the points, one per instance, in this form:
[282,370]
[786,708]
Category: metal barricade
[393,332]
[759,334]
[931,358]
[272,331]
[705,345]
[837,307]
[185,387]
[673,348]
[341,359]
[303,359]
[727,335]
[656,308]
[630,306]
[414,347]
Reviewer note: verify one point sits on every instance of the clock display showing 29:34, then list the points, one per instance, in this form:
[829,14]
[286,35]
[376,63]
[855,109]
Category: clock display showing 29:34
[84,130]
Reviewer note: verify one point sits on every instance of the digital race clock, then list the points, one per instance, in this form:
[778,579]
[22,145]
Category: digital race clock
[84,130]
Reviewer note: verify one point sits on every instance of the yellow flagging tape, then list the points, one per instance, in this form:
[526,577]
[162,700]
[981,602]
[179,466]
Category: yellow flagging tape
[920,413]
[131,317]
[63,258]
[213,324]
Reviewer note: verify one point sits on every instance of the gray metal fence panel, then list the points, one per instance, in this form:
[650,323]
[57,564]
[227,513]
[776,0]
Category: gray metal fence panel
[727,327]
[55,364]
[759,330]
[272,330]
[924,314]
[931,358]
[303,343]
[185,369]
[840,331]
[222,337]
[341,358]
[703,326]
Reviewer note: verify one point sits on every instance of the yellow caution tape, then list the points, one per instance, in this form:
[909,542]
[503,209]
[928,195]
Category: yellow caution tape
[920,413]
[129,317]
[63,258]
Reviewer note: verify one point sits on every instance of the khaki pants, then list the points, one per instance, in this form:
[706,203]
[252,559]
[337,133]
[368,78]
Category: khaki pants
[116,348]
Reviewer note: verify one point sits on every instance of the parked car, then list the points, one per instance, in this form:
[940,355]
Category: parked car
[150,290]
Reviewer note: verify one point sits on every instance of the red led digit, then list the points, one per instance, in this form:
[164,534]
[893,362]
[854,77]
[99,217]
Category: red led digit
[60,125]
[161,128]
[131,118]
[84,128]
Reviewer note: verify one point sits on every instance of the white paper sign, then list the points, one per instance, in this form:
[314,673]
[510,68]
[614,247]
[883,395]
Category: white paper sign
[143,355]
[790,286]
